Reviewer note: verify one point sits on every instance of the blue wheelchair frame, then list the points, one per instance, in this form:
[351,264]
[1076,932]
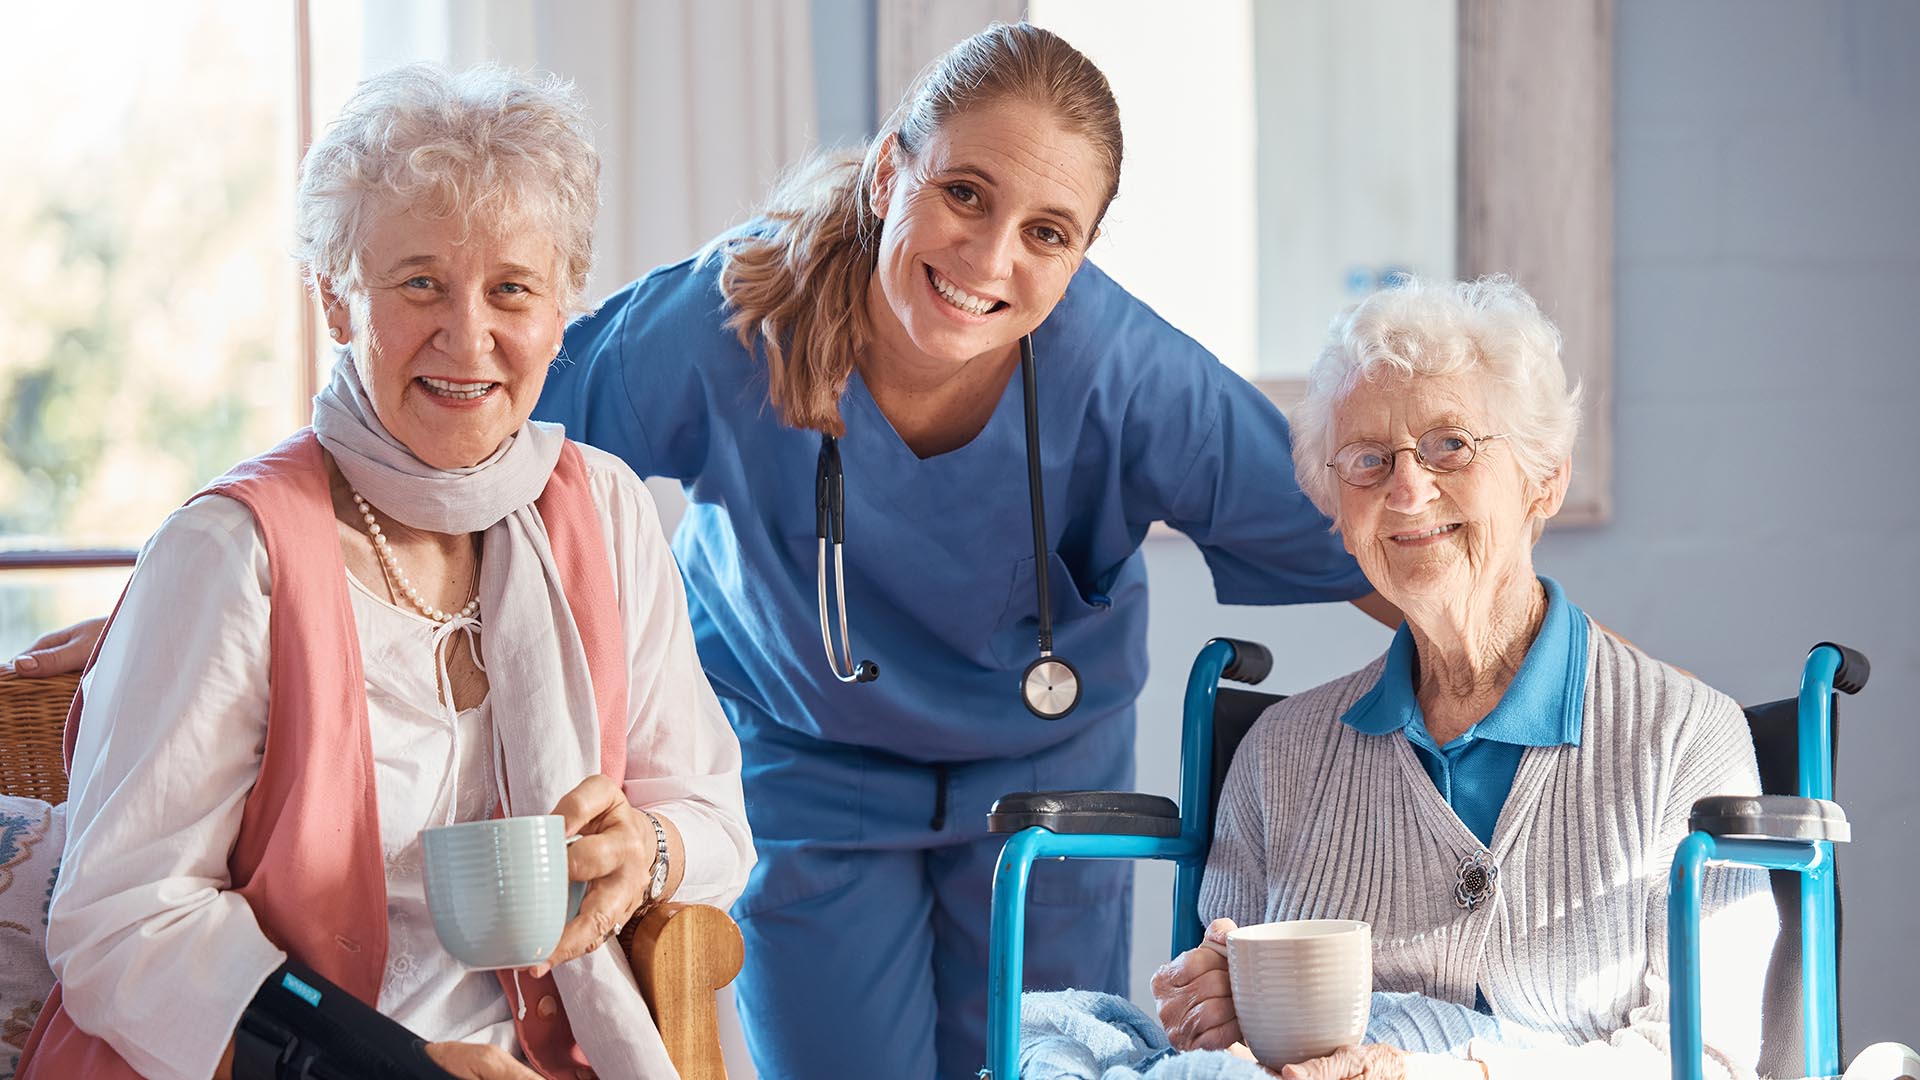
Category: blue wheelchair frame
[1220,658]
[1828,668]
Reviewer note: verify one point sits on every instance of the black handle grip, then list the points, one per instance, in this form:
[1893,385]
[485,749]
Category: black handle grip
[1851,676]
[1252,661]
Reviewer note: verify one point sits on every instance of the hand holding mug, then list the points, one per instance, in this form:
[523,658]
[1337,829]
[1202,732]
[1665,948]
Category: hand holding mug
[1195,995]
[611,848]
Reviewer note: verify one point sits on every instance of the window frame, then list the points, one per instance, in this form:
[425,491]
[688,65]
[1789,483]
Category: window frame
[1536,200]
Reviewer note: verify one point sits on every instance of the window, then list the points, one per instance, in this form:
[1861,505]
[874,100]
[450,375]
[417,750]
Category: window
[1302,154]
[1451,138]
[155,334]
[160,331]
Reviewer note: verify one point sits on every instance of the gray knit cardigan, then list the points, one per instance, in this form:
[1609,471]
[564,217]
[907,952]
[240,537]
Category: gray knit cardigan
[1320,821]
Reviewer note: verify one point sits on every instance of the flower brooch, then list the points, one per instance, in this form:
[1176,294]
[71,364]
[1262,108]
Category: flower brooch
[1475,881]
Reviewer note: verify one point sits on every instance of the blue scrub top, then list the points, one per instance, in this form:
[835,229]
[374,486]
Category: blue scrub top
[1541,707]
[1138,423]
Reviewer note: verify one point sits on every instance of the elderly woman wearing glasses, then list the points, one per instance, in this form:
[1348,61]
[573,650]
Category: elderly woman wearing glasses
[1501,794]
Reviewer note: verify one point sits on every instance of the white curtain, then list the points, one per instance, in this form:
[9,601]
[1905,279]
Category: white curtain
[910,34]
[697,105]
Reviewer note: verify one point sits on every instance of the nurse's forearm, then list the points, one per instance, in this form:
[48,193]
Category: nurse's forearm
[1381,609]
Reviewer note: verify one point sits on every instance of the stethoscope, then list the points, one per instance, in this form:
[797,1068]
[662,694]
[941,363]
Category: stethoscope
[1050,686]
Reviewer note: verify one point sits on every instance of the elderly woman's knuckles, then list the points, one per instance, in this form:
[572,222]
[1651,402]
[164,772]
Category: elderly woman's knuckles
[590,798]
[1199,1022]
[1170,1004]
[1166,977]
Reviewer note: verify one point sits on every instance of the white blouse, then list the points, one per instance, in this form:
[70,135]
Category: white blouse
[155,956]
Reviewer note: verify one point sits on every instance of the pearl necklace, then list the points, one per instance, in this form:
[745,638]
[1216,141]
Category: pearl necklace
[397,578]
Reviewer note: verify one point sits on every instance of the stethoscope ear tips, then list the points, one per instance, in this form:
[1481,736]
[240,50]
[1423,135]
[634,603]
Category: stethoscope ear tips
[866,671]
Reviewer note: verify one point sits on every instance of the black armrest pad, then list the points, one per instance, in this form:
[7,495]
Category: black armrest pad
[1770,817]
[1125,813]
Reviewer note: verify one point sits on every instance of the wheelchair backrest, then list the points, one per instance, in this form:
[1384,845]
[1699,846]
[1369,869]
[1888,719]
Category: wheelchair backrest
[1234,711]
[1776,745]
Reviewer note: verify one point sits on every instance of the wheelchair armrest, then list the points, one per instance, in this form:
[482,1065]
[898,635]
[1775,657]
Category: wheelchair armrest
[1770,817]
[681,954]
[1124,813]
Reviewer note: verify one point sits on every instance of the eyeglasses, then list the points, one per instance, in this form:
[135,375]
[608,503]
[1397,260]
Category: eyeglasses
[1442,450]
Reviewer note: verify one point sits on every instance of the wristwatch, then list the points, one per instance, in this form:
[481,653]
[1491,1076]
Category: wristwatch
[656,888]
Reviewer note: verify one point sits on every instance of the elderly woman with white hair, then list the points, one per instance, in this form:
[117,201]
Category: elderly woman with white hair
[1501,794]
[422,610]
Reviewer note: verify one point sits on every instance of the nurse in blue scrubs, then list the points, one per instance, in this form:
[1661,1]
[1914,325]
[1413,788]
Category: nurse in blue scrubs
[884,302]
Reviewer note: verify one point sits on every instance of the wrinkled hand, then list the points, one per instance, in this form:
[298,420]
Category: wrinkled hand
[1379,1061]
[1373,1061]
[477,1061]
[59,652]
[1195,997]
[614,856]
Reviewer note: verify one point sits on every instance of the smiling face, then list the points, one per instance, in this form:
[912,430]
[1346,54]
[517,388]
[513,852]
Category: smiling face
[984,225]
[453,333]
[1428,539]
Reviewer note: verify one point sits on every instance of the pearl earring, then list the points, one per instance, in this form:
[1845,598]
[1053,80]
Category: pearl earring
[333,332]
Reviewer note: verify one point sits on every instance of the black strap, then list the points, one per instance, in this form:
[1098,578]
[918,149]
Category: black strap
[941,773]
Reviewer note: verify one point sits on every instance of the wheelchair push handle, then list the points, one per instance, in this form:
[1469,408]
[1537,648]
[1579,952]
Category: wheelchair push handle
[1252,662]
[1851,676]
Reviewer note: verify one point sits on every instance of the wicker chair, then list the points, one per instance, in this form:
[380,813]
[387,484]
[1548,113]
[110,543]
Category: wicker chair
[681,953]
[33,715]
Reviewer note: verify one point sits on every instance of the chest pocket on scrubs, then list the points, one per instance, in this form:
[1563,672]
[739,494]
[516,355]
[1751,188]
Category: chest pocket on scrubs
[1016,637]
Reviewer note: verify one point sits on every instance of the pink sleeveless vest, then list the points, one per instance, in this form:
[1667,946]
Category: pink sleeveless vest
[310,830]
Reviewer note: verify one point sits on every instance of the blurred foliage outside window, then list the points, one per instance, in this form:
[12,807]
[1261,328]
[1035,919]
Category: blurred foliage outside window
[153,336]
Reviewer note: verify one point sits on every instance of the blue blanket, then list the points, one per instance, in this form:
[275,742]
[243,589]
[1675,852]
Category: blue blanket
[1082,1035]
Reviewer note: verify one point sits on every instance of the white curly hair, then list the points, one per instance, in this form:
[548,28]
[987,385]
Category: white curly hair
[1425,328]
[488,146]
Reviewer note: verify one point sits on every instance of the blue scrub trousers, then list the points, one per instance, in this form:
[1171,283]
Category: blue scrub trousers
[866,925]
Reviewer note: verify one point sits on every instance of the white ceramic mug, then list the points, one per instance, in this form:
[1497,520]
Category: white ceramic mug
[498,889]
[1301,988]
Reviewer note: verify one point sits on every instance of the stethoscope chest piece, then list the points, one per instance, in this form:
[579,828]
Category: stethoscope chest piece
[1051,687]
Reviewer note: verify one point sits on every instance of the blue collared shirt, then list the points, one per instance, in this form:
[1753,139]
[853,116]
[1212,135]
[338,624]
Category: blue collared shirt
[1542,707]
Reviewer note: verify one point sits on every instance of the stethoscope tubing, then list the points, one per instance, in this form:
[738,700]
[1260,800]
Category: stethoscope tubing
[1036,495]
[830,526]
[1048,679]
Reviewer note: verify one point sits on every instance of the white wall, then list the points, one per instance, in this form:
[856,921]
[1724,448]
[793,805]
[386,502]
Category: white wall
[1766,383]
